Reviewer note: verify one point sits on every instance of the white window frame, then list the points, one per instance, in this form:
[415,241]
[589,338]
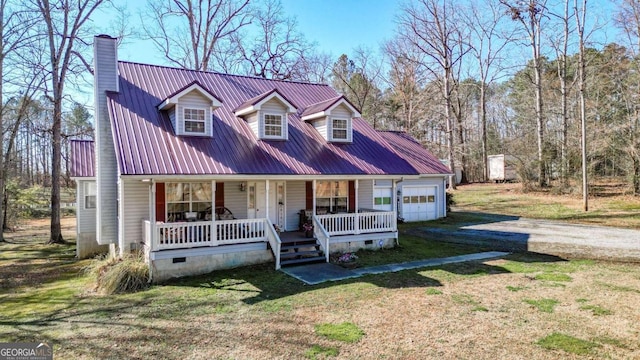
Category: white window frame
[190,201]
[333,198]
[346,129]
[203,120]
[89,194]
[282,126]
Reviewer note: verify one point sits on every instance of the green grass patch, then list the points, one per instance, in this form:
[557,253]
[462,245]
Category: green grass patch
[582,300]
[549,276]
[480,309]
[413,248]
[570,344]
[515,288]
[465,299]
[596,310]
[320,352]
[346,332]
[544,305]
[433,291]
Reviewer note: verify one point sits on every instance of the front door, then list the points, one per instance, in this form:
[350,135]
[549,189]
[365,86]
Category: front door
[277,204]
[256,199]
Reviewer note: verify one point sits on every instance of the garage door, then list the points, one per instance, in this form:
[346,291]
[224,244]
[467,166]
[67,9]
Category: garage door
[419,203]
[382,199]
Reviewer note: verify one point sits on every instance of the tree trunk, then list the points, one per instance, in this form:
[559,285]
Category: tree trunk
[483,120]
[542,177]
[450,154]
[56,229]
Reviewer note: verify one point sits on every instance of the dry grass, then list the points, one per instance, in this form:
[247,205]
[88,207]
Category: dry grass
[469,311]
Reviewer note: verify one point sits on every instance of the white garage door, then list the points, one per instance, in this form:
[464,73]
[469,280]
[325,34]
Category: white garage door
[382,199]
[419,203]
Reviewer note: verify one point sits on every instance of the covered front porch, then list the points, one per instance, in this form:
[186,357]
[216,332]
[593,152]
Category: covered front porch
[254,216]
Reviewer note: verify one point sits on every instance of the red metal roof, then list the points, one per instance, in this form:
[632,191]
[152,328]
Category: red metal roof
[146,143]
[257,99]
[82,158]
[412,151]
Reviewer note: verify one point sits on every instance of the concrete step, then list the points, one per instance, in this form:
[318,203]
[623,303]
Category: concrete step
[304,260]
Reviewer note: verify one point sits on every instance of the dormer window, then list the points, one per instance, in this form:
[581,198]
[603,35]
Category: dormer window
[266,115]
[273,125]
[339,129]
[194,121]
[191,110]
[332,119]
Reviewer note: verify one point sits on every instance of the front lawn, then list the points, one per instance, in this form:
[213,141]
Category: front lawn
[485,310]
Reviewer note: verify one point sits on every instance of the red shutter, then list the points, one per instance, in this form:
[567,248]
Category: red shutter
[160,203]
[352,196]
[309,195]
[219,195]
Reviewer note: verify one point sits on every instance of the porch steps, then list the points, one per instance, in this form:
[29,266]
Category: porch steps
[297,249]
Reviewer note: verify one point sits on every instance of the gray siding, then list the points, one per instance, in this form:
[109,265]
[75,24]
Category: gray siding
[135,208]
[296,201]
[235,200]
[85,218]
[365,194]
[106,79]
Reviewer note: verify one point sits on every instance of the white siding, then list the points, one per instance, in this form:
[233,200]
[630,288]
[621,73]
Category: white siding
[172,117]
[365,194]
[135,208]
[296,201]
[194,100]
[235,200]
[85,218]
[253,122]
[105,79]
[321,127]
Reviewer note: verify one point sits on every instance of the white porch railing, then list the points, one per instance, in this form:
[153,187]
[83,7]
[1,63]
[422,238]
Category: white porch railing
[321,234]
[358,223]
[201,233]
[274,241]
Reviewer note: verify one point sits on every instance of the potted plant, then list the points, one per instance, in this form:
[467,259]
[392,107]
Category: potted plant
[308,229]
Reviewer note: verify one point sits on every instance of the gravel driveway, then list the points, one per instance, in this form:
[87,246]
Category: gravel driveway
[543,236]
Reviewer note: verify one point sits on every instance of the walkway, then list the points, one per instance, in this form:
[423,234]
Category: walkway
[318,273]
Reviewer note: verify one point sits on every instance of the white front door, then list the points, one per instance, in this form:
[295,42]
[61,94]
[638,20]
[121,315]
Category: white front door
[277,204]
[256,199]
[382,199]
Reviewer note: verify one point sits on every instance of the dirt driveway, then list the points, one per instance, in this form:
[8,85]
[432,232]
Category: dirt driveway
[499,232]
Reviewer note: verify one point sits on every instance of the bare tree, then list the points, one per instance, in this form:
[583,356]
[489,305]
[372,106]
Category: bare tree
[63,22]
[15,25]
[530,13]
[192,34]
[277,51]
[488,44]
[581,13]
[429,26]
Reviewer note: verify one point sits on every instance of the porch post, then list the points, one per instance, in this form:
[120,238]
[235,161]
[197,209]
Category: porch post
[152,215]
[356,218]
[266,199]
[394,191]
[314,195]
[214,229]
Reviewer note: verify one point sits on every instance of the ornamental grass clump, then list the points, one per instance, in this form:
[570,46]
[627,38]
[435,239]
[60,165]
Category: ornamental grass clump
[121,275]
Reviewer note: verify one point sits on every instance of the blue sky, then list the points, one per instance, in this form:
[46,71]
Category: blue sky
[336,26]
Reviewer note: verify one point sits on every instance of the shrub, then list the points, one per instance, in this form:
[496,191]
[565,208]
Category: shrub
[450,201]
[120,275]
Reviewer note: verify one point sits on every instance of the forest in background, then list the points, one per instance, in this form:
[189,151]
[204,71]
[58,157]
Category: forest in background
[466,78]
